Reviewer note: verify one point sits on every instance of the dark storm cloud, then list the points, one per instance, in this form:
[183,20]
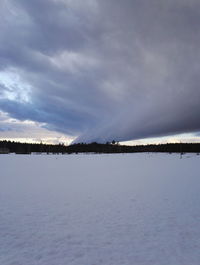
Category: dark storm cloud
[103,70]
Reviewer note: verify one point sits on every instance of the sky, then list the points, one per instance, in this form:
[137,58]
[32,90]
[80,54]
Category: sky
[100,70]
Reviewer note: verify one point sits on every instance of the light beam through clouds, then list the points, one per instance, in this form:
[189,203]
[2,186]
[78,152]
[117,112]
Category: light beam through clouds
[101,70]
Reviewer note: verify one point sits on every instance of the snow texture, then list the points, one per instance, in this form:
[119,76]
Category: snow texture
[129,209]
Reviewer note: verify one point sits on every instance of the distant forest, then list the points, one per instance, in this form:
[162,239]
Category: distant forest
[28,148]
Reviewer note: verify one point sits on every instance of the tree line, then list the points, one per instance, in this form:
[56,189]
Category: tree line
[113,147]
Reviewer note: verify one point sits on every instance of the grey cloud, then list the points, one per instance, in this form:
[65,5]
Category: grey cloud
[105,70]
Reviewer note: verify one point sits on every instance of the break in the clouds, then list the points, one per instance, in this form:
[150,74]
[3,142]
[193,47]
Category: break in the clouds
[101,70]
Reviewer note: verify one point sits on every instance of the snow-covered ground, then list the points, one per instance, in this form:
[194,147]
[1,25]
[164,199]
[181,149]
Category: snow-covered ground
[126,209]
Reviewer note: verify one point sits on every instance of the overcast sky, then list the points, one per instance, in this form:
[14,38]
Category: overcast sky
[99,70]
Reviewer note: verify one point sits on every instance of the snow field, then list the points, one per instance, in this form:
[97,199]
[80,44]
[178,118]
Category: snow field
[129,209]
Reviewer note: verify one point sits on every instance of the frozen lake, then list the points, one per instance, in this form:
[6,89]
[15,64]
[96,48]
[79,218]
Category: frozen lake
[129,209]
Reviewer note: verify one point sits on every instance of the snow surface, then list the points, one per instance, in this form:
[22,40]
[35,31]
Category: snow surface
[126,209]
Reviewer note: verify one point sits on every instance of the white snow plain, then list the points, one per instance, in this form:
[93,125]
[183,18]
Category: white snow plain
[129,209]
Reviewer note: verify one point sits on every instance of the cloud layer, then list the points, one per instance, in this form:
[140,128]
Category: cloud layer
[102,69]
